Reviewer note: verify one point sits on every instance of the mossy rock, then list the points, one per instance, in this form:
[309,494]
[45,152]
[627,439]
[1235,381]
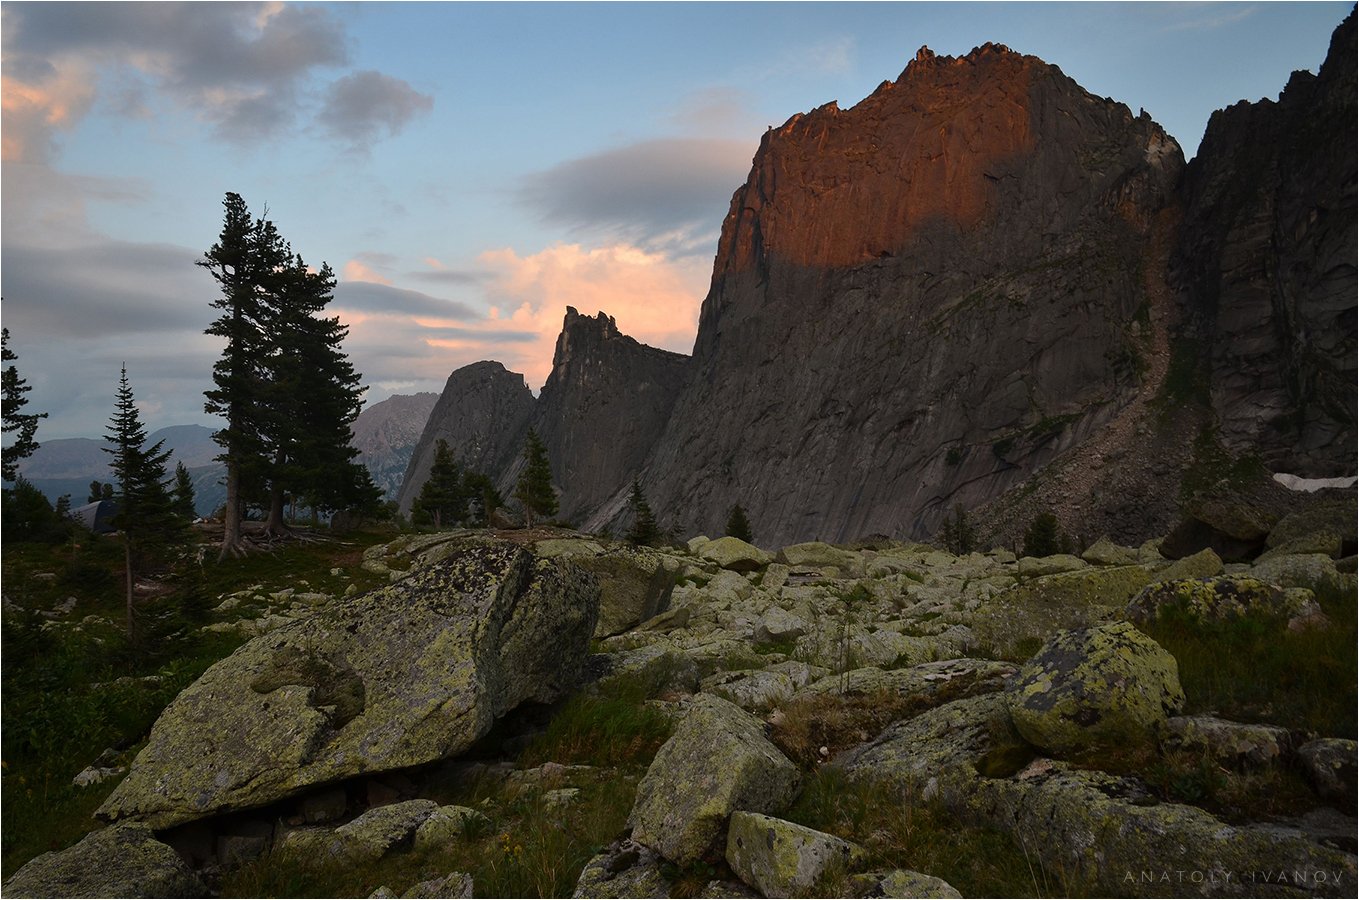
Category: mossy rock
[624,869]
[1335,519]
[718,761]
[1105,552]
[1313,570]
[1204,564]
[902,883]
[119,861]
[402,676]
[782,859]
[1209,599]
[1098,687]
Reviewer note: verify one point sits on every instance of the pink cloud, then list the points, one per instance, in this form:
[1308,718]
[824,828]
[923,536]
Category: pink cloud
[35,109]
[357,271]
[654,298]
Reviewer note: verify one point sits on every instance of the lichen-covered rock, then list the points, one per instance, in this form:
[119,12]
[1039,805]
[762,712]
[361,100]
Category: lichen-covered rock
[901,883]
[1105,552]
[624,869]
[717,761]
[1108,834]
[1329,766]
[781,859]
[120,861]
[1311,570]
[379,830]
[1230,743]
[1331,520]
[1204,564]
[816,555]
[453,886]
[1038,566]
[448,824]
[929,684]
[750,690]
[655,668]
[1208,599]
[735,554]
[777,625]
[401,676]
[1096,687]
[635,584]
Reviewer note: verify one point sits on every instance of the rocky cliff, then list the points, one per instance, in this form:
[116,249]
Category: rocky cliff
[1267,265]
[386,433]
[918,302]
[483,413]
[606,401]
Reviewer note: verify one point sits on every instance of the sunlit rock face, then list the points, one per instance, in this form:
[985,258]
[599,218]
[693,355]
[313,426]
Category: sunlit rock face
[917,302]
[1267,264]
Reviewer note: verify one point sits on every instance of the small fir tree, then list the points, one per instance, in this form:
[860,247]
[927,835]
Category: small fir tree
[183,493]
[20,424]
[64,506]
[442,497]
[644,532]
[146,515]
[738,524]
[534,488]
[1044,537]
[96,492]
[958,534]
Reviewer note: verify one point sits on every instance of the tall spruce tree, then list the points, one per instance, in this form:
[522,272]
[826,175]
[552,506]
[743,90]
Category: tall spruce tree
[146,515]
[534,488]
[644,532]
[738,524]
[240,262]
[183,493]
[22,425]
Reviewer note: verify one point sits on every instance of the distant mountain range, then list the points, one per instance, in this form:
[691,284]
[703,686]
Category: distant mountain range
[385,434]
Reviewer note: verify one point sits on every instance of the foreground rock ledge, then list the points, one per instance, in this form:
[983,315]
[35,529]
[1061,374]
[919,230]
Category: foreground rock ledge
[398,677]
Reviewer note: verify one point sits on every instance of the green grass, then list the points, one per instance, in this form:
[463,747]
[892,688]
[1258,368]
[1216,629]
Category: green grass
[600,731]
[899,831]
[1252,669]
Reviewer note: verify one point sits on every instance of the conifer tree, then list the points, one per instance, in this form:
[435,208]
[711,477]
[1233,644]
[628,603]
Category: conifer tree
[183,493]
[145,514]
[644,531]
[96,492]
[958,534]
[64,506]
[443,497]
[23,425]
[1044,537]
[738,526]
[534,488]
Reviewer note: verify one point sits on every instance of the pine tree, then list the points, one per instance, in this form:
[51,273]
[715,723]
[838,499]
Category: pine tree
[738,526]
[183,493]
[242,261]
[96,492]
[443,497]
[534,488]
[64,506]
[1044,537]
[958,535]
[146,514]
[644,531]
[12,400]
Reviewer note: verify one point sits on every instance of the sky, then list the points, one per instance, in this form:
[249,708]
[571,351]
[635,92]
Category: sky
[470,170]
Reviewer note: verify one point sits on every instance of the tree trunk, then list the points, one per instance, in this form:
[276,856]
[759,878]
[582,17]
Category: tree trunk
[127,565]
[231,517]
[276,526]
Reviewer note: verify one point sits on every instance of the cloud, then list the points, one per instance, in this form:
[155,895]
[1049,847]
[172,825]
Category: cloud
[247,69]
[668,192]
[379,297]
[1212,22]
[360,107]
[716,109]
[653,298]
[358,271]
[448,276]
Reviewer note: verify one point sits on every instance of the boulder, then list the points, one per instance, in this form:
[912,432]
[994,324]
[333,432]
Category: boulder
[1229,743]
[735,554]
[120,861]
[1329,766]
[1204,564]
[751,690]
[717,761]
[928,684]
[817,555]
[1328,520]
[1105,552]
[453,886]
[1037,566]
[448,824]
[635,584]
[379,830]
[624,869]
[1099,686]
[781,859]
[405,675]
[901,883]
[1313,570]
[1209,599]
[778,625]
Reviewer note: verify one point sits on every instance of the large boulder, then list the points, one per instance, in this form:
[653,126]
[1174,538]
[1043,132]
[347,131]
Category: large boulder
[634,585]
[1236,744]
[120,861]
[1209,599]
[817,554]
[1332,518]
[717,761]
[381,829]
[902,883]
[623,869]
[1329,766]
[1095,687]
[735,554]
[405,675]
[1204,564]
[781,859]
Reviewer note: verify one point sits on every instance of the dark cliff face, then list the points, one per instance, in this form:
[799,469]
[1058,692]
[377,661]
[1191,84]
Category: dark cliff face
[386,434]
[1267,265]
[605,403]
[483,413]
[917,302]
